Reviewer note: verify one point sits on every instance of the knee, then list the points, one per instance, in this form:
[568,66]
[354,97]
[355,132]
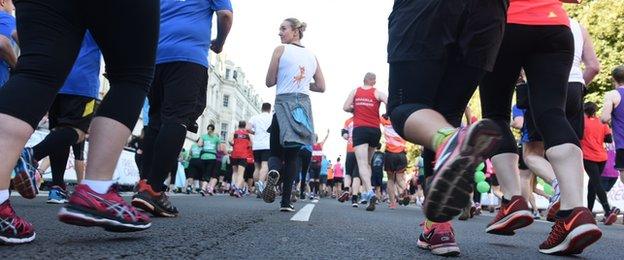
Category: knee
[400,114]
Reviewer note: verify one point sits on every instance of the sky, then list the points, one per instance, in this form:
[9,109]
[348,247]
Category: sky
[348,37]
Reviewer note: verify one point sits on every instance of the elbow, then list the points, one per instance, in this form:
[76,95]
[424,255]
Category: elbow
[270,83]
[593,69]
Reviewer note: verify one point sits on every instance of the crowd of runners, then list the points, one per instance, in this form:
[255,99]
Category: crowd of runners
[439,53]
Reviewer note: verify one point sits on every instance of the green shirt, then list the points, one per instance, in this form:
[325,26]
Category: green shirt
[195,151]
[224,162]
[185,159]
[209,150]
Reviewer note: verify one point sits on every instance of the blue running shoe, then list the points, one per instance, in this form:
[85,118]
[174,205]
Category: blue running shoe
[57,195]
[25,170]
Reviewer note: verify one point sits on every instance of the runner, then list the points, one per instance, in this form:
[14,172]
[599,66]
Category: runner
[303,166]
[395,164]
[50,39]
[352,176]
[364,103]
[324,176]
[538,38]
[614,113]
[339,178]
[259,127]
[248,176]
[315,167]
[432,77]
[209,143]
[70,116]
[196,167]
[377,171]
[7,29]
[177,97]
[292,69]
[241,145]
[596,134]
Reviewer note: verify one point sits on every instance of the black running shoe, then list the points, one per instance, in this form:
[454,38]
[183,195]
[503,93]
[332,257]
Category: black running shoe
[159,206]
[287,208]
[268,194]
[371,203]
[354,201]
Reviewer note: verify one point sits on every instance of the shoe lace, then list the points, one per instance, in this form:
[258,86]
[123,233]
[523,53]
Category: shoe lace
[556,232]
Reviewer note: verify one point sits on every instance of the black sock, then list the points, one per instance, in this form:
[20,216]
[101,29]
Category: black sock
[505,201]
[563,213]
[58,137]
[166,150]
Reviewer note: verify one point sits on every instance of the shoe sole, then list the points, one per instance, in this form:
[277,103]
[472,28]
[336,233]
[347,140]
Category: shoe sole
[610,219]
[355,205]
[343,197]
[371,204]
[268,194]
[79,218]
[450,189]
[441,250]
[54,201]
[576,241]
[17,241]
[25,185]
[507,225]
[156,211]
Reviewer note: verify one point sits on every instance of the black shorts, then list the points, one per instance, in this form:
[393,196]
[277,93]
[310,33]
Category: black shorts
[72,111]
[395,162]
[573,110]
[493,181]
[178,93]
[337,180]
[249,171]
[239,162]
[227,174]
[79,151]
[261,155]
[196,169]
[210,170]
[315,171]
[377,177]
[323,179]
[366,135]
[619,159]
[521,164]
[351,166]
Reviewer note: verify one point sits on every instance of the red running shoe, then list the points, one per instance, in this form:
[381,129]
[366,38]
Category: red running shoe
[456,160]
[612,216]
[440,239]
[552,211]
[109,211]
[14,229]
[511,216]
[571,235]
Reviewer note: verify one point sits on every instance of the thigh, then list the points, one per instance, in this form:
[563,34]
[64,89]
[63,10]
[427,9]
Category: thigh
[181,82]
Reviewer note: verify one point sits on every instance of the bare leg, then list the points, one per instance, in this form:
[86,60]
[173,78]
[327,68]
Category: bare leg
[106,141]
[534,158]
[506,166]
[422,125]
[567,161]
[14,134]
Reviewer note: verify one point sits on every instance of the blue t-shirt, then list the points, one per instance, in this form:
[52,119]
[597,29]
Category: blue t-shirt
[324,165]
[7,26]
[516,112]
[185,29]
[84,78]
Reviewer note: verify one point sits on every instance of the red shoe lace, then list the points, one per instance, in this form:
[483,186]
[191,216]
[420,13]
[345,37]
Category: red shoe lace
[556,233]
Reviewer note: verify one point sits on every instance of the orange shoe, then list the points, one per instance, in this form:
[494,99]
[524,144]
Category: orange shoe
[511,216]
[571,235]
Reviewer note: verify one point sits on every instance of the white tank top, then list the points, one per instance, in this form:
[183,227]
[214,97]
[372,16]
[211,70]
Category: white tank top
[296,69]
[576,73]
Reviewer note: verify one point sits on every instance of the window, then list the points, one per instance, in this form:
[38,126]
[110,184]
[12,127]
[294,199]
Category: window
[227,73]
[226,100]
[235,74]
[224,131]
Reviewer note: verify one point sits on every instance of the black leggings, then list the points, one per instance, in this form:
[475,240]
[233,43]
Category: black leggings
[305,157]
[594,187]
[283,156]
[545,53]
[51,33]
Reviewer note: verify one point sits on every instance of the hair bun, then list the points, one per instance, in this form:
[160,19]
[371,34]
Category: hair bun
[303,26]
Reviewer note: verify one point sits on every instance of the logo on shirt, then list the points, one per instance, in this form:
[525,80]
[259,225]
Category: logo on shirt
[301,75]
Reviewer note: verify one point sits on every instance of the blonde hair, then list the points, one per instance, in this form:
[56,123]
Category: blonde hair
[297,25]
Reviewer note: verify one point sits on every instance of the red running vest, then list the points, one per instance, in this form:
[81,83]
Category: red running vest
[365,108]
[242,144]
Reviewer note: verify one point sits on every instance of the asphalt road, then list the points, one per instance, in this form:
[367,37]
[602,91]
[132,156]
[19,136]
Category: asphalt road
[225,227]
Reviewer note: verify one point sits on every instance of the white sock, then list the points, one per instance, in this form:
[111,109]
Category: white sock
[4,195]
[100,187]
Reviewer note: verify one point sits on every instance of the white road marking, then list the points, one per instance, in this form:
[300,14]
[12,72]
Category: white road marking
[304,213]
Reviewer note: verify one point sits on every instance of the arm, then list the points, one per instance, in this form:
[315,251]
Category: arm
[6,51]
[200,142]
[517,122]
[348,105]
[592,65]
[14,35]
[250,128]
[607,107]
[325,139]
[224,24]
[571,1]
[319,81]
[468,114]
[271,78]
[381,96]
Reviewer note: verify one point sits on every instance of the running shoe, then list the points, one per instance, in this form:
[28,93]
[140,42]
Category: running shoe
[440,239]
[109,211]
[405,201]
[302,195]
[372,202]
[453,180]
[268,194]
[477,207]
[189,190]
[354,201]
[14,229]
[552,211]
[393,205]
[203,192]
[293,197]
[612,216]
[211,191]
[259,187]
[511,216]
[157,204]
[287,208]
[25,182]
[571,235]
[344,196]
[57,195]
[536,215]
[238,193]
[465,215]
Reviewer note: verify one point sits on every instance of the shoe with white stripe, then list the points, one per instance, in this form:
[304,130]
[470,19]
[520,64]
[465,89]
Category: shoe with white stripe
[14,229]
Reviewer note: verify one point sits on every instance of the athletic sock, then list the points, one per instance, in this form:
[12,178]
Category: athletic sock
[98,186]
[59,137]
[4,195]
[563,213]
[441,136]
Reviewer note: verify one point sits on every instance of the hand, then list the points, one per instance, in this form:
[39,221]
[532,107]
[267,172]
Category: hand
[216,46]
